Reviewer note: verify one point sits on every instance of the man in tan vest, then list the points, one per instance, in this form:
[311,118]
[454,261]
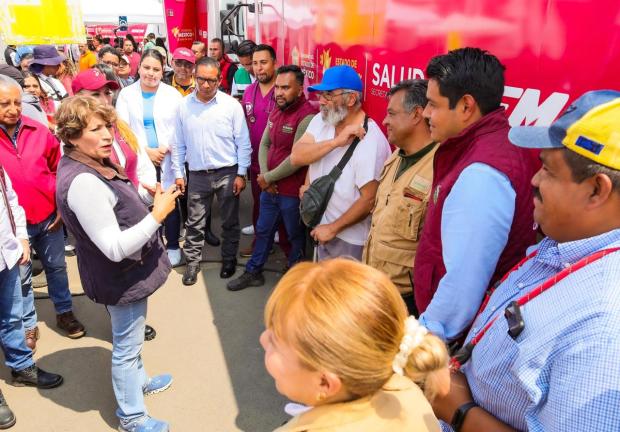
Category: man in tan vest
[404,188]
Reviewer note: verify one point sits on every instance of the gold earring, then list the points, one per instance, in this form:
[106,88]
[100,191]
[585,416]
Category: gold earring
[320,397]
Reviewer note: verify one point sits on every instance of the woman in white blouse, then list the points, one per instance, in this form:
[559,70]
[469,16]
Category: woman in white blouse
[150,108]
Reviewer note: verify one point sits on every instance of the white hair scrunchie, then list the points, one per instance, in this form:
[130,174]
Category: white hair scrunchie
[414,334]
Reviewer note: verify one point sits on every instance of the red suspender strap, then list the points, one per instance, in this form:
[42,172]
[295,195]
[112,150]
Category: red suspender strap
[464,354]
[492,289]
[5,198]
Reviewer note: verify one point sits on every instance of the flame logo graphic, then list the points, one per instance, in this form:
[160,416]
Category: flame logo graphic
[326,59]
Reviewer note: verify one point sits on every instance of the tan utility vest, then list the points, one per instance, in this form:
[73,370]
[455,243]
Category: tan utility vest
[397,219]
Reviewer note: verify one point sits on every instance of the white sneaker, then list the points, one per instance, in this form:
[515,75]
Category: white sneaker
[174,255]
[276,238]
[248,230]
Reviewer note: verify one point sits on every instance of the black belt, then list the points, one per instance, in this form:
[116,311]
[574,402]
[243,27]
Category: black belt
[214,170]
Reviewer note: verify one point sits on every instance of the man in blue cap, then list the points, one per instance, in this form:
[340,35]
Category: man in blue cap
[542,354]
[345,223]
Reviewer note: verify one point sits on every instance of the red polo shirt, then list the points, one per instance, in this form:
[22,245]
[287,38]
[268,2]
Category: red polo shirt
[31,165]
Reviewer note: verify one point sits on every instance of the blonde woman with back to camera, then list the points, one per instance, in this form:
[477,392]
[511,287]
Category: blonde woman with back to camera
[339,340]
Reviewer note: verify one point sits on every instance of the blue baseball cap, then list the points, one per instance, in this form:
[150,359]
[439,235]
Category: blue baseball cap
[339,77]
[590,126]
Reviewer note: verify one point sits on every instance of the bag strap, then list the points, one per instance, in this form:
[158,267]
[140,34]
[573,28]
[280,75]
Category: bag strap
[336,171]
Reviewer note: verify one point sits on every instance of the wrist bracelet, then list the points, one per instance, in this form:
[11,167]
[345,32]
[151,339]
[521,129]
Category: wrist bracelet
[459,415]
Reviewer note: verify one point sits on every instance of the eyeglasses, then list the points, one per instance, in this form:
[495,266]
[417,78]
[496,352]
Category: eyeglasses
[210,81]
[111,63]
[183,64]
[329,96]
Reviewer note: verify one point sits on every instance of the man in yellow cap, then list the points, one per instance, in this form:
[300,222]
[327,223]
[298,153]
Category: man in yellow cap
[543,352]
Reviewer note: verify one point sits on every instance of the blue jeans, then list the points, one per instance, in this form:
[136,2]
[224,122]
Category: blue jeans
[273,210]
[50,247]
[12,338]
[128,374]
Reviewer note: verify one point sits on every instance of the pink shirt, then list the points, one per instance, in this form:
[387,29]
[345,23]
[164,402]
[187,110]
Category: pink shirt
[32,165]
[134,63]
[257,109]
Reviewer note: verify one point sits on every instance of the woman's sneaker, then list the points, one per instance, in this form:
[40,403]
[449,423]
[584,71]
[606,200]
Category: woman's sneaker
[145,424]
[175,257]
[157,384]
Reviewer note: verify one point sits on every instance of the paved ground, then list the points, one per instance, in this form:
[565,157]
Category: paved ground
[207,337]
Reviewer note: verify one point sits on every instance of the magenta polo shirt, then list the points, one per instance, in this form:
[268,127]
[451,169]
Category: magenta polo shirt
[257,109]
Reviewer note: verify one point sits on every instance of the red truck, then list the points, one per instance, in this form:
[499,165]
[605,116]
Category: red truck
[554,50]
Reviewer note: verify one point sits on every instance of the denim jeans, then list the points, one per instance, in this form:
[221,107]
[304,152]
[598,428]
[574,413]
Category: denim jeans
[273,209]
[128,374]
[17,355]
[50,247]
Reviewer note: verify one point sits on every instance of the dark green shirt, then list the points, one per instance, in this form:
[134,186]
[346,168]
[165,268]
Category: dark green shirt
[407,162]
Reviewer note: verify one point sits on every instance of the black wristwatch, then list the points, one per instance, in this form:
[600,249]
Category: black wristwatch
[459,415]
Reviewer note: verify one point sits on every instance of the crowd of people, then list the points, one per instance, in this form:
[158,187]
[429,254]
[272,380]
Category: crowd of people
[448,316]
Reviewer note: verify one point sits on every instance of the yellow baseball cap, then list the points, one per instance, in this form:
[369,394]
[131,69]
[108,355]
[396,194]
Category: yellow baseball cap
[590,126]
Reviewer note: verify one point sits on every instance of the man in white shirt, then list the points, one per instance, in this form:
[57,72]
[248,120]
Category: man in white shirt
[346,221]
[15,251]
[212,137]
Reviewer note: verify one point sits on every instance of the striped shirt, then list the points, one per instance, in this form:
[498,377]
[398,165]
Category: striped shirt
[561,373]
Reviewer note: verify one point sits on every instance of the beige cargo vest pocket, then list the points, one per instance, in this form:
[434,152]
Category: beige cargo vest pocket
[410,212]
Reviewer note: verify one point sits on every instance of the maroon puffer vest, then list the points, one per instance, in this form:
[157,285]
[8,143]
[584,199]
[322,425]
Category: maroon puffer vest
[486,141]
[105,281]
[282,130]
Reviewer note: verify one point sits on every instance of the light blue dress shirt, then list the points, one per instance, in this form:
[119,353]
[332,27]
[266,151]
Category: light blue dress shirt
[148,101]
[211,135]
[475,223]
[561,373]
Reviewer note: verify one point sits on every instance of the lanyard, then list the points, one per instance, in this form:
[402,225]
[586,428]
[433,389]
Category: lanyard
[513,311]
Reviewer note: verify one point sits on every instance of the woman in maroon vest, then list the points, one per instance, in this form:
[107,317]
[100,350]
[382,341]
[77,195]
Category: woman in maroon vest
[120,257]
[126,150]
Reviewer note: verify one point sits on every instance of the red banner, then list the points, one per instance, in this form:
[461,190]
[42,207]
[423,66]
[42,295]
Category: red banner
[181,22]
[107,30]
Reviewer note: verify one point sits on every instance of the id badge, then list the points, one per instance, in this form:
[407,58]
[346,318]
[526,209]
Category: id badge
[514,318]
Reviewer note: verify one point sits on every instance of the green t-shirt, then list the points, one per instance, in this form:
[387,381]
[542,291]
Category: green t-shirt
[407,162]
[241,81]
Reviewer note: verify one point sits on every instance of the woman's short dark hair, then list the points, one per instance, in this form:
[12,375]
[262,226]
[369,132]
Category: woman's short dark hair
[469,71]
[153,53]
[74,114]
[29,74]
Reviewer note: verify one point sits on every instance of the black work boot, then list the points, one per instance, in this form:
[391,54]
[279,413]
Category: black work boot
[35,377]
[247,279]
[7,418]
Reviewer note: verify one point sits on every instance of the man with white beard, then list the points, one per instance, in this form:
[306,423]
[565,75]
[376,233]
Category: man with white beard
[346,221]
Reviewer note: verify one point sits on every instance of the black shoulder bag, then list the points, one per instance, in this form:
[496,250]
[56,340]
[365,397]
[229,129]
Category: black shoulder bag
[317,196]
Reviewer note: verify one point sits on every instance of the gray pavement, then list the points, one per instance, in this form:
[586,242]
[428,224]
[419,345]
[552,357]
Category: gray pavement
[207,338]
